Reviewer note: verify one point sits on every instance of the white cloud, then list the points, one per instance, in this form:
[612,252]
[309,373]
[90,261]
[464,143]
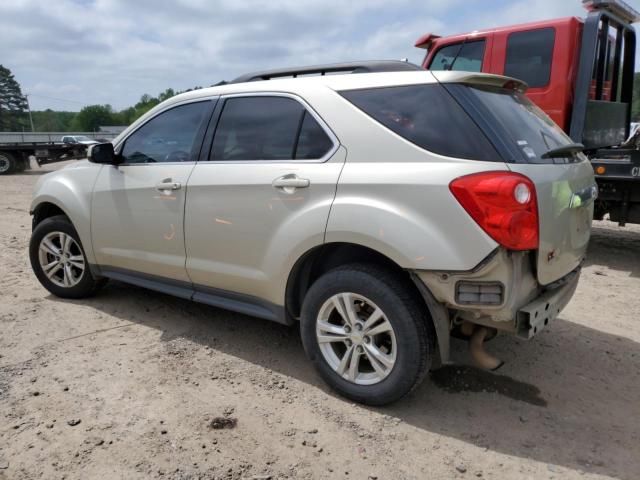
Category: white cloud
[113,51]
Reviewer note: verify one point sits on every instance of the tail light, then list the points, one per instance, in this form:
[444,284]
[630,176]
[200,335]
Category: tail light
[504,204]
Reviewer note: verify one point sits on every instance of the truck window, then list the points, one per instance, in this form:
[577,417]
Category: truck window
[465,56]
[529,56]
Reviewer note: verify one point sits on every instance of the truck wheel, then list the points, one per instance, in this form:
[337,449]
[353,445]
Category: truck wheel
[58,259]
[7,163]
[366,333]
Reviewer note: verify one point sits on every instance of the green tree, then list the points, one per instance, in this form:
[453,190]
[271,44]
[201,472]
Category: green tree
[91,117]
[13,104]
[52,121]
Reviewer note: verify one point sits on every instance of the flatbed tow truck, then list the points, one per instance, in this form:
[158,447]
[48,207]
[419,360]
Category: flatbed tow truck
[15,156]
[580,71]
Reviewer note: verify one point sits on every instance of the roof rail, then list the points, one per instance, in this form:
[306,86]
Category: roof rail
[370,66]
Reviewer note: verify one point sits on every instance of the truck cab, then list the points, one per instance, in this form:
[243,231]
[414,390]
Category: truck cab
[580,71]
[538,53]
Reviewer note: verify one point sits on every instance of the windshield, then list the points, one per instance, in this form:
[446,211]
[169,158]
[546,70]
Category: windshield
[82,138]
[532,132]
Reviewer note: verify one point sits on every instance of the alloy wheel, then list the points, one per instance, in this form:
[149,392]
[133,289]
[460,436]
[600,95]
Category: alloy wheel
[356,338]
[61,259]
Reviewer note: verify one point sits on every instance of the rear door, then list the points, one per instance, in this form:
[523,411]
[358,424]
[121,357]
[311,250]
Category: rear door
[138,207]
[261,196]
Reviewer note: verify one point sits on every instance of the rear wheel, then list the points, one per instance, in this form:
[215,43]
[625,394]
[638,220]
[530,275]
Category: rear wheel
[7,163]
[58,259]
[366,333]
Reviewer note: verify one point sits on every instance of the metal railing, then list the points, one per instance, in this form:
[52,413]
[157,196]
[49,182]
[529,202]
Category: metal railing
[30,137]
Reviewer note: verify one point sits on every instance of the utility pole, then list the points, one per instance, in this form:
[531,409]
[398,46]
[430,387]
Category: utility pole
[29,109]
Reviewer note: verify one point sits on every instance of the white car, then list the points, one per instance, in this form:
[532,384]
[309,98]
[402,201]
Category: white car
[78,139]
[383,207]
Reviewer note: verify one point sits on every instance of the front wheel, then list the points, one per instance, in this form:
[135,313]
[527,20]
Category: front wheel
[366,333]
[58,260]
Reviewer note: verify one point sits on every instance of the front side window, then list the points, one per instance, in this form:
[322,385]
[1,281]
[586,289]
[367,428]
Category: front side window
[529,56]
[464,56]
[428,116]
[267,128]
[168,137]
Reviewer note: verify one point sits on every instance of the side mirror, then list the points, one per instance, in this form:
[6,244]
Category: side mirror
[103,153]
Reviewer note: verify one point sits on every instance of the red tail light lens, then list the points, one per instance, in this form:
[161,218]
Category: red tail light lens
[504,204]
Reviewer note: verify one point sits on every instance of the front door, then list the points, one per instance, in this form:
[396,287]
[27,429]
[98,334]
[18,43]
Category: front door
[263,197]
[138,207]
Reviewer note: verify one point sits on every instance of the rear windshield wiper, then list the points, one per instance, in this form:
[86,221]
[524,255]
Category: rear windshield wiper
[564,150]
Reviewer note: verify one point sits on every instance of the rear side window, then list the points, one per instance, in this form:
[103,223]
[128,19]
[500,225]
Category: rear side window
[529,56]
[460,56]
[428,116]
[268,128]
[313,141]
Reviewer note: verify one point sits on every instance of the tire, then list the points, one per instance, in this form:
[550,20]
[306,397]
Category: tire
[407,346]
[7,163]
[65,278]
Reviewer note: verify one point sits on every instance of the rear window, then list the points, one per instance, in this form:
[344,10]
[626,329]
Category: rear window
[428,116]
[529,56]
[519,120]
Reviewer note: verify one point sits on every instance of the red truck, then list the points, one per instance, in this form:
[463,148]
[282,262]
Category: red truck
[581,73]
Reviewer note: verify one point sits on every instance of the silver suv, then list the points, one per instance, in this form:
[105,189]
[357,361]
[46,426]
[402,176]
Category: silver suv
[382,207]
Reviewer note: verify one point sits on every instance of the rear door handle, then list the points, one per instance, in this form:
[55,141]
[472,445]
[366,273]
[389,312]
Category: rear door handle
[291,182]
[164,186]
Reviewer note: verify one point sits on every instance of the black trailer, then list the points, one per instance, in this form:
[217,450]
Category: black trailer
[15,157]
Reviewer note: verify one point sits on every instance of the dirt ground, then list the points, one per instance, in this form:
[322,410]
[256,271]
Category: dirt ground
[127,384]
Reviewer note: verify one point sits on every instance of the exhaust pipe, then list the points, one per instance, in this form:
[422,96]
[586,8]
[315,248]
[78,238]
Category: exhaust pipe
[480,356]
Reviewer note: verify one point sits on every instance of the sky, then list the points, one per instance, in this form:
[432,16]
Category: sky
[71,53]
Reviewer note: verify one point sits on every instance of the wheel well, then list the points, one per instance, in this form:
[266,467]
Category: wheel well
[46,210]
[320,260]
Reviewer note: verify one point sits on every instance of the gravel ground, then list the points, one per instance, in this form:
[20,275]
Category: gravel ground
[135,384]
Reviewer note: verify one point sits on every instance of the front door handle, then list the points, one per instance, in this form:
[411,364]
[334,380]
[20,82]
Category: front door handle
[164,186]
[290,182]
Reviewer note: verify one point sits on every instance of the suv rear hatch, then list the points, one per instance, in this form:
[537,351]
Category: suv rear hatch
[534,146]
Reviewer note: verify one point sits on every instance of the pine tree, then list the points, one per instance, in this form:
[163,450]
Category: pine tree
[13,104]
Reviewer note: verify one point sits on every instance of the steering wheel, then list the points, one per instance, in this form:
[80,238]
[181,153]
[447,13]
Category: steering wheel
[177,156]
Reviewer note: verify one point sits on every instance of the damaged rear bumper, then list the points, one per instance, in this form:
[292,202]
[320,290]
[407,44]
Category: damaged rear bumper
[536,315]
[508,297]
